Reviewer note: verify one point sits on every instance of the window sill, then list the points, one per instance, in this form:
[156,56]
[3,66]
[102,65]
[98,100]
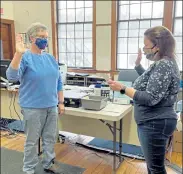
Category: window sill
[77,70]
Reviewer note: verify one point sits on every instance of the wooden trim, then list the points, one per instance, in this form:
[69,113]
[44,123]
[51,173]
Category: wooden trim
[56,20]
[54,30]
[99,25]
[13,38]
[7,21]
[87,71]
[12,28]
[113,36]
[94,35]
[168,14]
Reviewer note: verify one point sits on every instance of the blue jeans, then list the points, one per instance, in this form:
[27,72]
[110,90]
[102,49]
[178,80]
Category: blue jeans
[153,136]
[39,123]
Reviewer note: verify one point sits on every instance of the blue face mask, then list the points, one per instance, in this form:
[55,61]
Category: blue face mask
[41,43]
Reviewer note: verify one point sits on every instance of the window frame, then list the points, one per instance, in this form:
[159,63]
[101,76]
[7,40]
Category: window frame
[93,23]
[174,16]
[173,23]
[129,20]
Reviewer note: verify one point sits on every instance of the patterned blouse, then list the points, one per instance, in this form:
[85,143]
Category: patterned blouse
[157,90]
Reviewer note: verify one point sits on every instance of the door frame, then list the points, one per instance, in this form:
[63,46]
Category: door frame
[12,30]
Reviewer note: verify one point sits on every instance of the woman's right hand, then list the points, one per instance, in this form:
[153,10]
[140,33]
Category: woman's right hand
[20,47]
[139,58]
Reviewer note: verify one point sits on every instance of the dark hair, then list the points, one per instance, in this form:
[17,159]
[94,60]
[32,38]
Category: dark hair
[163,39]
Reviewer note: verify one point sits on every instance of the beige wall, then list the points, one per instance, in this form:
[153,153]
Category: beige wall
[8,10]
[103,35]
[103,48]
[103,12]
[27,12]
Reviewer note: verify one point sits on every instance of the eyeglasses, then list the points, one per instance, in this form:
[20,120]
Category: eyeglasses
[42,37]
[150,48]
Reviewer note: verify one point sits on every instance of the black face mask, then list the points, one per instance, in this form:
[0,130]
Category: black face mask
[149,53]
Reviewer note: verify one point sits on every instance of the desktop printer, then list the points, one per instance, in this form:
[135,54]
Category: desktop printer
[63,72]
[72,98]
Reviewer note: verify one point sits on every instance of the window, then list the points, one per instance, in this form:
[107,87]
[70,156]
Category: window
[74,22]
[133,18]
[177,30]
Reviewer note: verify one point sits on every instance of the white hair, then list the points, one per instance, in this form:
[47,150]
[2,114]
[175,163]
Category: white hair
[33,29]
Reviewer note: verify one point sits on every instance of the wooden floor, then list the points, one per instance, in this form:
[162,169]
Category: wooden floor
[95,163]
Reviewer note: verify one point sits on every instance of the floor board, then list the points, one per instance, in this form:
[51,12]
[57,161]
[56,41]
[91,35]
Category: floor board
[94,162]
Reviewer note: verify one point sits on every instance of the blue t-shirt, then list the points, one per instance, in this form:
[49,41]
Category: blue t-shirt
[39,78]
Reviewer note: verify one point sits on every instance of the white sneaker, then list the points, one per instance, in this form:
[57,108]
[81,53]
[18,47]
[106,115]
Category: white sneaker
[30,172]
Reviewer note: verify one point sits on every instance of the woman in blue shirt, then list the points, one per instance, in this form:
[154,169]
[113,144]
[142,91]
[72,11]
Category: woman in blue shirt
[39,94]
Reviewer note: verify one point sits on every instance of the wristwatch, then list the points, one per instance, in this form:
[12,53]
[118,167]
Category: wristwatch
[61,102]
[122,91]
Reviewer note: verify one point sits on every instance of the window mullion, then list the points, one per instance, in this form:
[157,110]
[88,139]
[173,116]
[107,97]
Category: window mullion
[68,24]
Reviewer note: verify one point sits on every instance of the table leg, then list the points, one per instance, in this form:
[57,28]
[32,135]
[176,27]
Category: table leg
[114,147]
[39,147]
[120,141]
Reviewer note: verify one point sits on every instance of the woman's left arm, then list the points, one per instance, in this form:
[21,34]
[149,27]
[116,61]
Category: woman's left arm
[60,96]
[157,86]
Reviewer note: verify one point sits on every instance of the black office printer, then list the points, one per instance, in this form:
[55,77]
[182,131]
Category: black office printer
[4,64]
[73,98]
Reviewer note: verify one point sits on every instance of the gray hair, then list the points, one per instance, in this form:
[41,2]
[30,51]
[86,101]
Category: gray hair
[33,29]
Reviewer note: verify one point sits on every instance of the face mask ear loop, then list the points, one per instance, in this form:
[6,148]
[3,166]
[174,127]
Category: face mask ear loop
[153,46]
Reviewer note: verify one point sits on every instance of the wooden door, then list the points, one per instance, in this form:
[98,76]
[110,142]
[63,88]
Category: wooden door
[8,38]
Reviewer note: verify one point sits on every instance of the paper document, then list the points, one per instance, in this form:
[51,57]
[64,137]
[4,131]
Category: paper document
[122,98]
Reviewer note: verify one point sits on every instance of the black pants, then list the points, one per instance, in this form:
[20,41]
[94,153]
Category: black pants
[153,136]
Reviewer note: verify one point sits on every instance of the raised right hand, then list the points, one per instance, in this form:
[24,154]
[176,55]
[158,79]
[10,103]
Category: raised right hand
[139,58]
[20,47]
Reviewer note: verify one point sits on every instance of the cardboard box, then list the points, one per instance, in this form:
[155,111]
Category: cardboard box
[177,141]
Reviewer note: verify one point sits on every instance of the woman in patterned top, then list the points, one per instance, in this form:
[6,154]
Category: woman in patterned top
[154,93]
